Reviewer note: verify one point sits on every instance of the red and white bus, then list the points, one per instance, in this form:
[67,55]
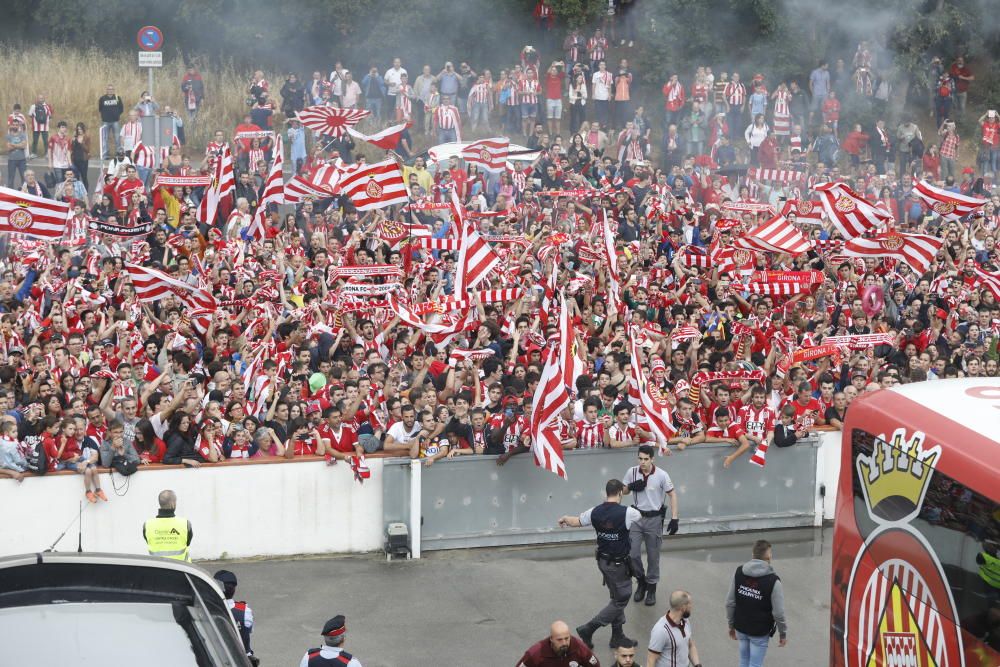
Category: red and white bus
[916,555]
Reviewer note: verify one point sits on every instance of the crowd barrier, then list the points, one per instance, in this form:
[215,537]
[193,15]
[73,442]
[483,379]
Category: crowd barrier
[279,508]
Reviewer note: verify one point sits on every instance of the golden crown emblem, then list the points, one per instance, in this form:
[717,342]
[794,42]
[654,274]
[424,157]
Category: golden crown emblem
[894,478]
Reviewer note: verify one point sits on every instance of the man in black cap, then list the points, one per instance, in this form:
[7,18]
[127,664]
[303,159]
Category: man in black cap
[240,610]
[333,653]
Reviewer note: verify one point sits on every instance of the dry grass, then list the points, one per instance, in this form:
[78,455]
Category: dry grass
[73,79]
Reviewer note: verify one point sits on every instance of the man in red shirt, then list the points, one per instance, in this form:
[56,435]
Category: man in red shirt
[559,649]
[554,78]
[124,187]
[339,439]
[962,75]
[756,418]
[807,408]
[727,432]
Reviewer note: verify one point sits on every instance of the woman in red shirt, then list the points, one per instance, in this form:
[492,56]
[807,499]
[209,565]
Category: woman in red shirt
[147,445]
[931,161]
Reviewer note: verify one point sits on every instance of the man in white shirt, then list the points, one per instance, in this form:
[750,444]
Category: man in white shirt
[401,438]
[650,487]
[393,77]
[671,643]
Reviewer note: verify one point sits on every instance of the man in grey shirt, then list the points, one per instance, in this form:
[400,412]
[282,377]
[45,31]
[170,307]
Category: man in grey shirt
[17,159]
[819,87]
[650,486]
[671,642]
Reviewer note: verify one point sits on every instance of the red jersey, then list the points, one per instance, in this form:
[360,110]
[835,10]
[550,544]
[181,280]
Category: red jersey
[733,409]
[342,440]
[805,415]
[512,438]
[733,431]
[589,436]
[305,447]
[757,422]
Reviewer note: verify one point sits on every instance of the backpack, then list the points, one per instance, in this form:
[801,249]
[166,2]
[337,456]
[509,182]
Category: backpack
[41,114]
[38,460]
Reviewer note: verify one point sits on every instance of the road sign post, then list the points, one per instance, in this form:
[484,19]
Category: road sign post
[150,41]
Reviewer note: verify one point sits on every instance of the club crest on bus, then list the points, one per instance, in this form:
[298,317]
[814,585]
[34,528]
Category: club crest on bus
[894,478]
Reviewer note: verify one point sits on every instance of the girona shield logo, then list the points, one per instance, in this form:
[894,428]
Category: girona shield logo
[845,204]
[374,189]
[20,218]
[742,256]
[484,155]
[892,241]
[392,229]
[804,207]
[943,207]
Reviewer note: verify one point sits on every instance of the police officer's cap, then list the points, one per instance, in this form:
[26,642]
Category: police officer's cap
[335,627]
[225,577]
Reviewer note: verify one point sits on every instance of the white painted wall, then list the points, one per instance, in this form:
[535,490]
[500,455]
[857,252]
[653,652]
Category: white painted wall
[236,510]
[240,511]
[828,469]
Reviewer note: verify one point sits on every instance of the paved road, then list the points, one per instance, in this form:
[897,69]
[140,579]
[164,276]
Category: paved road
[484,607]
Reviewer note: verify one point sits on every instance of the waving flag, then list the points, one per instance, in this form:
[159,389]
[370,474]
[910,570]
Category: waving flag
[851,214]
[476,258]
[331,121]
[551,398]
[387,139]
[649,398]
[989,280]
[31,215]
[915,250]
[152,285]
[614,290]
[804,210]
[223,184]
[274,192]
[949,205]
[488,154]
[375,186]
[298,189]
[775,235]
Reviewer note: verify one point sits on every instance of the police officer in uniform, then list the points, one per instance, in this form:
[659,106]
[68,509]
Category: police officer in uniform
[755,606]
[650,486]
[612,521]
[333,653]
[240,610]
[166,534]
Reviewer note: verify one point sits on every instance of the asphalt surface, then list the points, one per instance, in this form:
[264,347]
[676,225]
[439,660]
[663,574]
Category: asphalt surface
[484,607]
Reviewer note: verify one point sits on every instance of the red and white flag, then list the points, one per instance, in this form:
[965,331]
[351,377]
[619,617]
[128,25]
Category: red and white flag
[274,192]
[551,398]
[223,184]
[949,205]
[375,186]
[614,286]
[488,154]
[915,250]
[396,233]
[152,285]
[143,156]
[387,139]
[654,405]
[804,210]
[331,121]
[476,257]
[298,189]
[851,214]
[31,215]
[683,334]
[775,235]
[989,280]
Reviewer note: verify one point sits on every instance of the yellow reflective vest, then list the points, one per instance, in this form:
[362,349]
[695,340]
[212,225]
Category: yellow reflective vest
[990,569]
[167,536]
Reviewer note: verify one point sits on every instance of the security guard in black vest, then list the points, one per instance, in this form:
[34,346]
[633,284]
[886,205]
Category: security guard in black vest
[241,611]
[755,605]
[333,653]
[611,521]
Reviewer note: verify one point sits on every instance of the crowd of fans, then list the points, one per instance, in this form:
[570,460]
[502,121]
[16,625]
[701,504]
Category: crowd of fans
[291,365]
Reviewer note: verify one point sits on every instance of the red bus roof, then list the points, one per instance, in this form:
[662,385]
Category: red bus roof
[963,415]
